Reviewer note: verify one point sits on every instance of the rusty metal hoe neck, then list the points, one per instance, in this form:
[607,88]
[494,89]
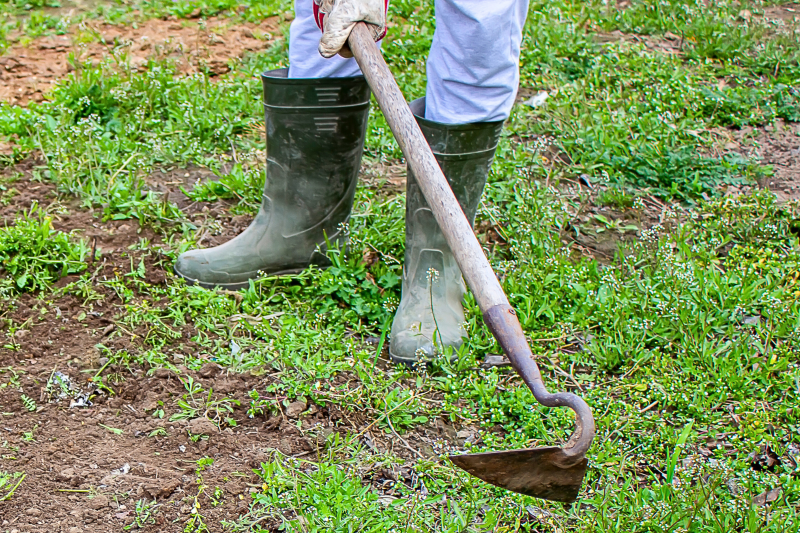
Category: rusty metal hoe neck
[503,322]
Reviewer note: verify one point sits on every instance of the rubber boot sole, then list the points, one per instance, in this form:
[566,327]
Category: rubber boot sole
[410,363]
[238,285]
[407,362]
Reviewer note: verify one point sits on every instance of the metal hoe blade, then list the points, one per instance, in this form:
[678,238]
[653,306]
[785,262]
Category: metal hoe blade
[549,473]
[539,472]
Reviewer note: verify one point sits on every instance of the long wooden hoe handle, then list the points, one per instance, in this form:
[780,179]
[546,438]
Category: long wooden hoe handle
[497,313]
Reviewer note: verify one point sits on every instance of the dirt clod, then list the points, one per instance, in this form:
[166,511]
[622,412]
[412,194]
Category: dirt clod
[98,502]
[162,373]
[70,476]
[209,370]
[201,426]
[161,490]
[294,409]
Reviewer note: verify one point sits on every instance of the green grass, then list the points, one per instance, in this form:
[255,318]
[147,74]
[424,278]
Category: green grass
[33,254]
[684,343]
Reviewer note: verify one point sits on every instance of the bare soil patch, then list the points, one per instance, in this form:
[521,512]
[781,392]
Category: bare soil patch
[86,467]
[215,222]
[669,43]
[27,72]
[777,145]
[785,13]
[20,196]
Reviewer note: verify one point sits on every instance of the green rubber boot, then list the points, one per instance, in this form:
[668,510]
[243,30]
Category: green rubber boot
[431,314]
[315,137]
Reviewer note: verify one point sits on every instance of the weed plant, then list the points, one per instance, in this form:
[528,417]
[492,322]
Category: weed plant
[33,254]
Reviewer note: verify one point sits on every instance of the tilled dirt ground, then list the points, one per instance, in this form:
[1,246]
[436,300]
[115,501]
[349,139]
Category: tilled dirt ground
[86,466]
[778,145]
[27,72]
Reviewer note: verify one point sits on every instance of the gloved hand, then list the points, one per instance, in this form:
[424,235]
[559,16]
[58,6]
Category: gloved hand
[336,18]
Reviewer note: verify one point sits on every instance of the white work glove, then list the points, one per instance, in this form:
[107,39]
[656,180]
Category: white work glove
[337,18]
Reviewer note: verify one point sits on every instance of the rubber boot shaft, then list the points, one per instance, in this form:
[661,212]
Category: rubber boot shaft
[315,130]
[431,312]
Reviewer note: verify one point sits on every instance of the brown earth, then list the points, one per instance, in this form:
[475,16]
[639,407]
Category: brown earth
[776,145]
[86,467]
[27,72]
[786,13]
[779,146]
[669,43]
[215,221]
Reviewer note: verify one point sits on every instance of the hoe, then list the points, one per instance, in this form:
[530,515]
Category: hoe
[550,473]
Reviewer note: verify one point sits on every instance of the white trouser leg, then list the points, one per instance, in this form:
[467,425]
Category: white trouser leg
[473,66]
[304,58]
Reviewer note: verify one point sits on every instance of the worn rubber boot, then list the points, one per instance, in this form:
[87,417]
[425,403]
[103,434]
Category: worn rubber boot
[315,137]
[431,314]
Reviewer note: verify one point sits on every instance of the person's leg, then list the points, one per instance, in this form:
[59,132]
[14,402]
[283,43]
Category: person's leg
[315,129]
[473,73]
[473,66]
[304,58]
[431,314]
[316,122]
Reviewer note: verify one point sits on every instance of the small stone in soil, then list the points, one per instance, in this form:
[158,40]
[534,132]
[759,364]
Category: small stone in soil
[285,446]
[121,471]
